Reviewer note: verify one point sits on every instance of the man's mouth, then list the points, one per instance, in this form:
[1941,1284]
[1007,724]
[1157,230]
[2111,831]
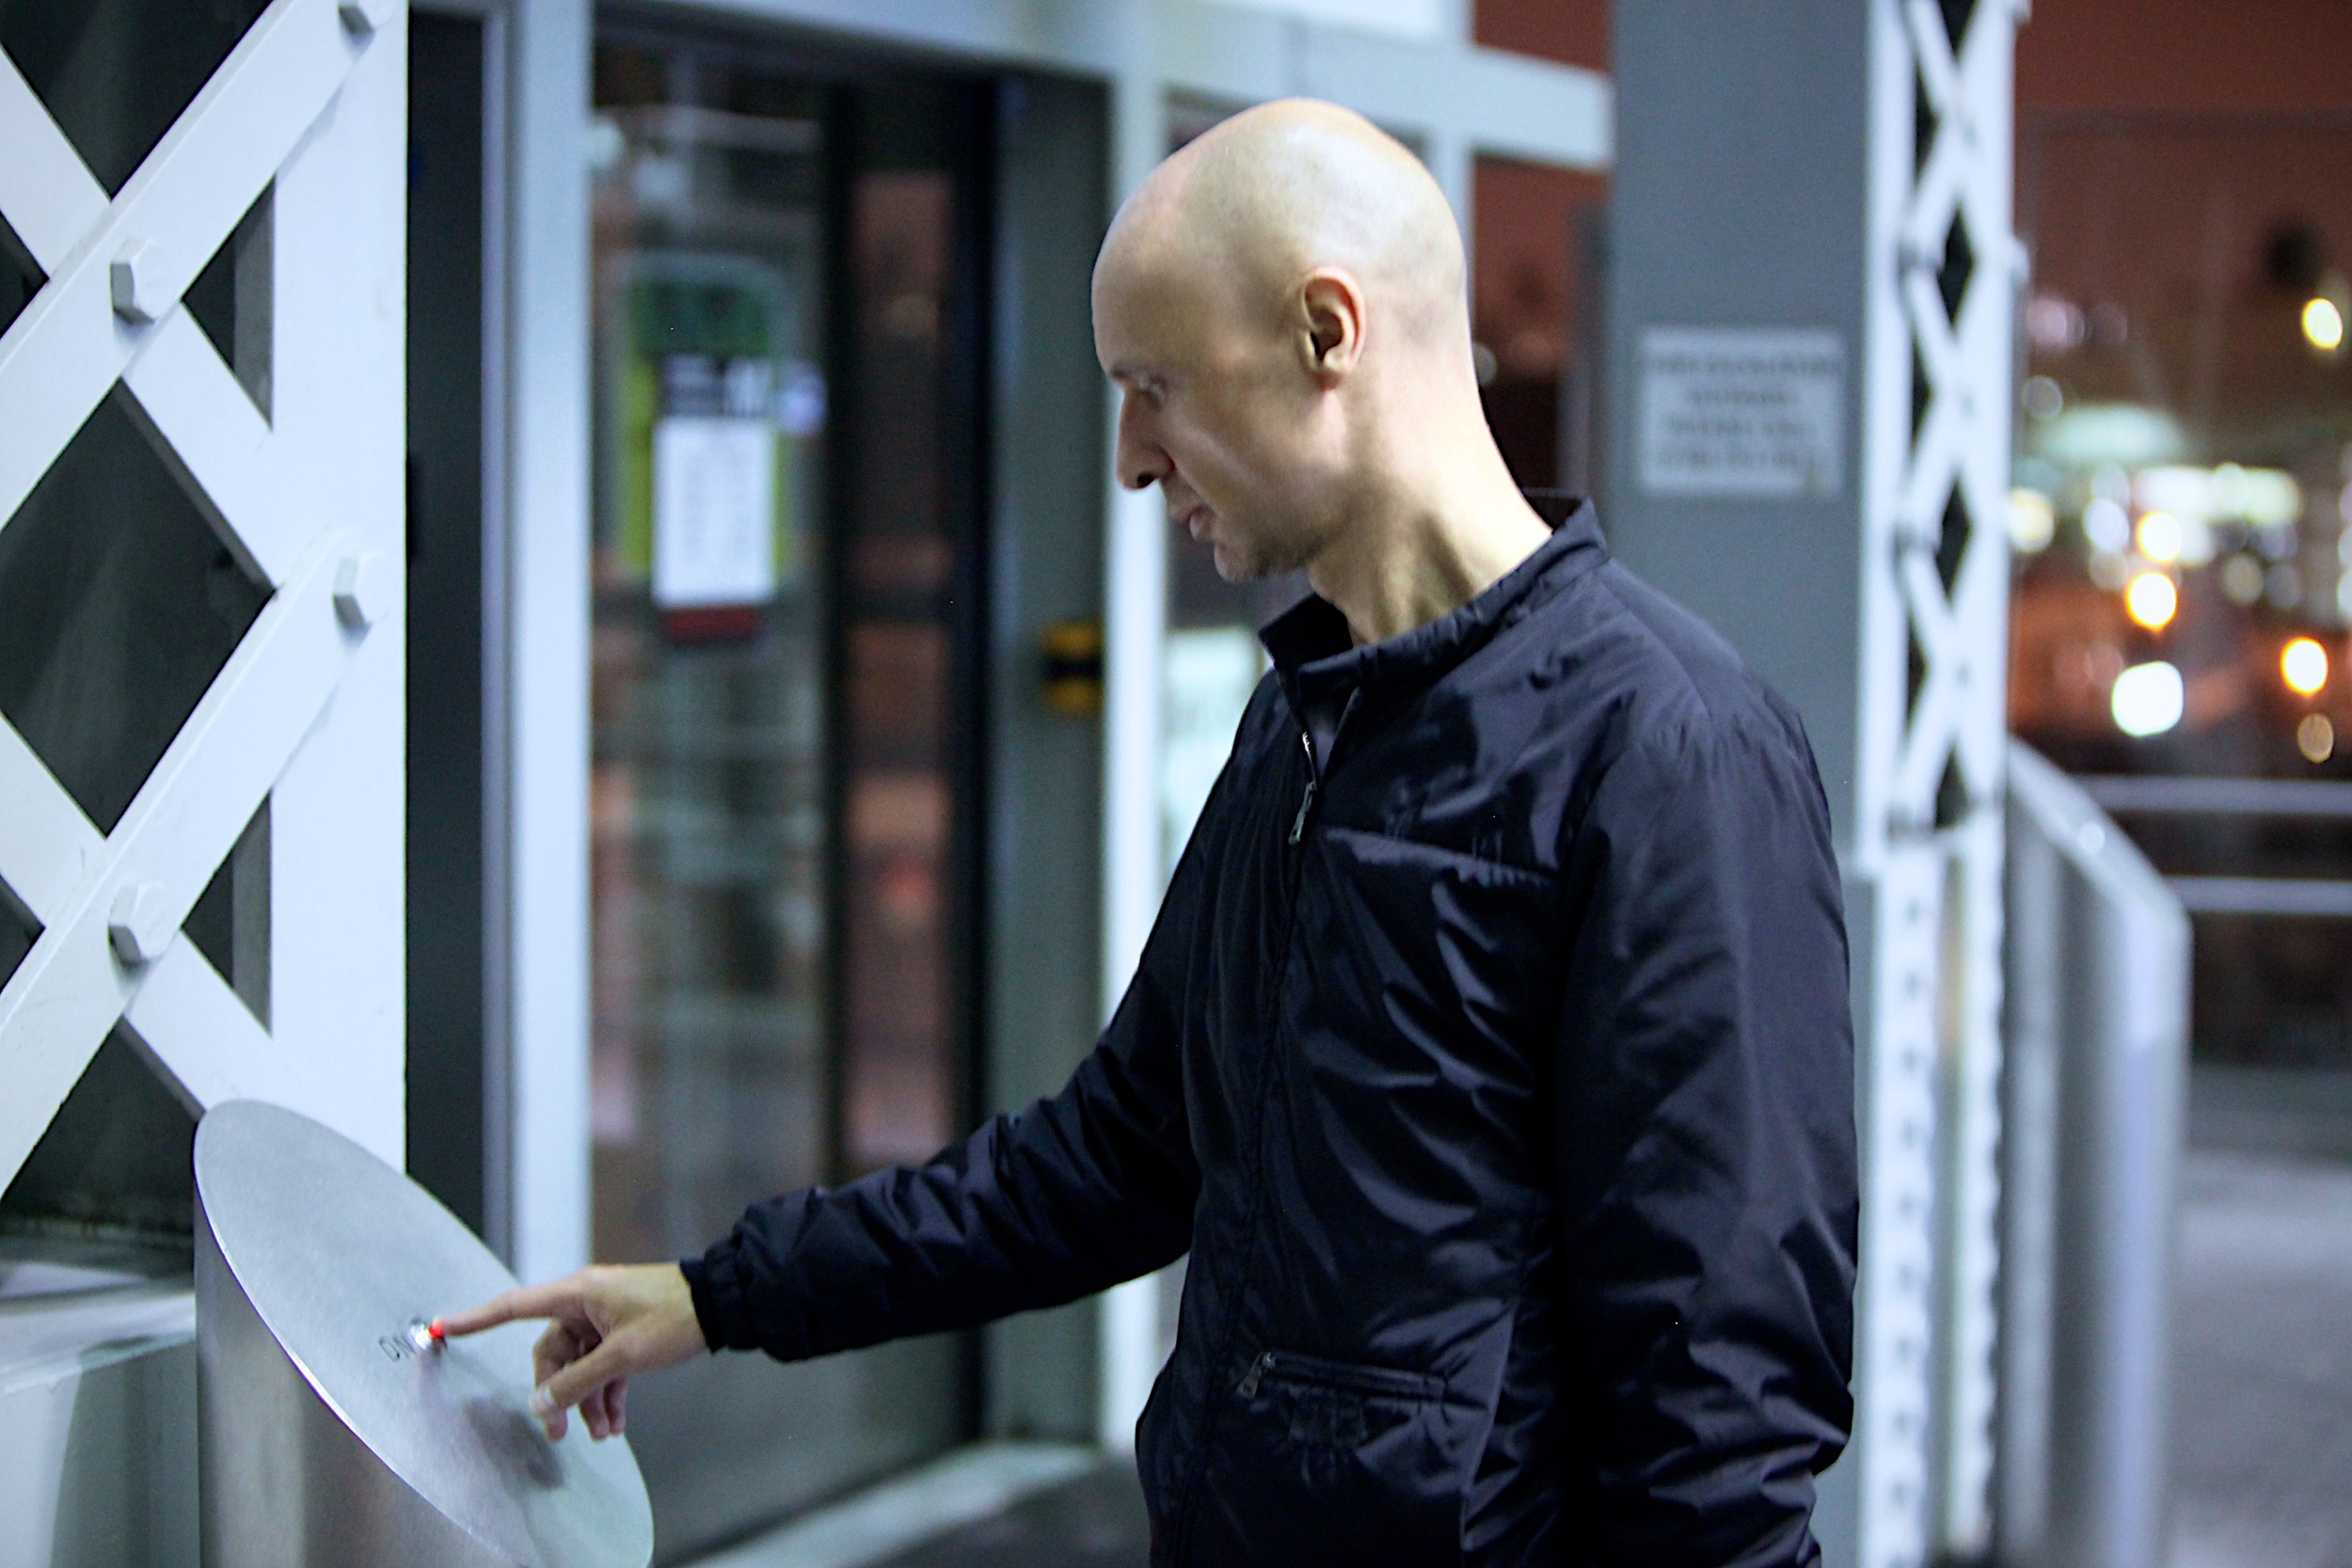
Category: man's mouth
[1196,521]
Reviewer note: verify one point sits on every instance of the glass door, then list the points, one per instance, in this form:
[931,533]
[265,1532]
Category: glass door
[785,583]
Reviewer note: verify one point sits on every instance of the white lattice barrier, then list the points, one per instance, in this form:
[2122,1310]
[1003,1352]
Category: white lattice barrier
[1937,400]
[306,713]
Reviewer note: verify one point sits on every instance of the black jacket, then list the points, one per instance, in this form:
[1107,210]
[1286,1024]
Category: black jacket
[1491,1056]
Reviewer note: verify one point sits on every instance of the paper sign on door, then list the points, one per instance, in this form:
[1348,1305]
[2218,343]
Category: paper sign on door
[714,511]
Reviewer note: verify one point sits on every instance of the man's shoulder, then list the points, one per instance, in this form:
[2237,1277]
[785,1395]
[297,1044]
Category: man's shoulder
[1613,645]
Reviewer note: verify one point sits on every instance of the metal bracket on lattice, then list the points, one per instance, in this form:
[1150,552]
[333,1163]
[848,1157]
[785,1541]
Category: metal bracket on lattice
[1938,420]
[109,312]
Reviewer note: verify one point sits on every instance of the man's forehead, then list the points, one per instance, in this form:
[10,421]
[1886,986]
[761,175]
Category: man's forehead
[1146,318]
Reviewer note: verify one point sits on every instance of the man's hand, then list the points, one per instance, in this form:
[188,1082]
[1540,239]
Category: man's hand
[605,1324]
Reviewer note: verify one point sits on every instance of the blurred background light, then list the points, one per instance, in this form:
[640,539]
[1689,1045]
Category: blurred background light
[2032,521]
[2107,524]
[2266,497]
[2196,546]
[2242,580]
[2303,665]
[2323,326]
[2316,737]
[2056,325]
[2152,600]
[2160,537]
[2125,433]
[2262,496]
[2043,398]
[2184,491]
[2148,699]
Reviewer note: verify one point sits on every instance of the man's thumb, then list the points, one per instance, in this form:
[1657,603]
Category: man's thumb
[574,1383]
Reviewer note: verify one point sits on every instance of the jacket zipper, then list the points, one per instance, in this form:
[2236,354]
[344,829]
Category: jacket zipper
[1314,771]
[1181,1549]
[1285,1366]
[1306,801]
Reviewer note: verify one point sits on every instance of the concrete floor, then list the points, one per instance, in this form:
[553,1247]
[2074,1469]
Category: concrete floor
[1095,1521]
[2262,1406]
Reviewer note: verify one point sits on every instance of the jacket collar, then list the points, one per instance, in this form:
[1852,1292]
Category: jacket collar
[1316,656]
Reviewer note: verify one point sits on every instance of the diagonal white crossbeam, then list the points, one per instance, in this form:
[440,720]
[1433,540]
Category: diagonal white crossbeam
[181,1009]
[69,343]
[72,988]
[198,421]
[1928,742]
[47,195]
[207,432]
[46,844]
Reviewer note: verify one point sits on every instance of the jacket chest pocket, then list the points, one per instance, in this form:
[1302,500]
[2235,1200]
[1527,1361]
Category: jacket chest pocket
[1327,1461]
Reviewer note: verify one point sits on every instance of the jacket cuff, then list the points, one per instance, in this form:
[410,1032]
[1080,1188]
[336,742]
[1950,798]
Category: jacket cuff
[717,1288]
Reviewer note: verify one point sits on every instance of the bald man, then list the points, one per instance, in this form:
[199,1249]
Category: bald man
[1490,1054]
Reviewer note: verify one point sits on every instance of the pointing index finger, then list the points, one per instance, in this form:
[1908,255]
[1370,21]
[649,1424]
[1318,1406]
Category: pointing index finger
[529,1300]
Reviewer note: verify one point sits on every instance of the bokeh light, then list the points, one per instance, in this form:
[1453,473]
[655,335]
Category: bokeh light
[2160,537]
[2322,325]
[2152,600]
[2148,699]
[2303,665]
[2032,521]
[2107,524]
[2316,737]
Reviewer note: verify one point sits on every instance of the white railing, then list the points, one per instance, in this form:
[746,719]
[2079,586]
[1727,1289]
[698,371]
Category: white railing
[2096,1071]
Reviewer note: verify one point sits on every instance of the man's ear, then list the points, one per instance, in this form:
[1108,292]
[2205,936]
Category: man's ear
[1331,309]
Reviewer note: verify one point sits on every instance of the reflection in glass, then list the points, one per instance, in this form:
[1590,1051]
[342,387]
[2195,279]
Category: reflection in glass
[778,804]
[898,1072]
[707,797]
[114,1165]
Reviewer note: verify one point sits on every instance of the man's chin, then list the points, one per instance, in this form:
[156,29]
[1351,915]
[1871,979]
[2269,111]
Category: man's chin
[1234,566]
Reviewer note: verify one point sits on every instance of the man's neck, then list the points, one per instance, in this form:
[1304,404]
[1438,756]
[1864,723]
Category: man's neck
[1422,552]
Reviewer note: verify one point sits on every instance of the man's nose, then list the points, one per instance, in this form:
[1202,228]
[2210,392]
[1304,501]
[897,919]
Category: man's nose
[1139,460]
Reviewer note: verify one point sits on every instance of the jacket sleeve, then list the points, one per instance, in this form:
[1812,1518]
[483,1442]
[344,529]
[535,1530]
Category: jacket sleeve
[1707,1171]
[1078,1193]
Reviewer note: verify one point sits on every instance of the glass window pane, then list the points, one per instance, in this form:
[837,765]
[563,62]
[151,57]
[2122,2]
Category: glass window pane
[115,1163]
[711,1078]
[19,280]
[901,1084]
[117,606]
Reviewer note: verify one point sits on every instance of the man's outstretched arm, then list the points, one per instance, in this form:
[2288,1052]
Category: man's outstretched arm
[1073,1194]
[1069,1196]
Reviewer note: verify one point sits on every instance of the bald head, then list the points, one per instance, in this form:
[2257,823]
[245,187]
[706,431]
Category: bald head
[1248,208]
[1281,306]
